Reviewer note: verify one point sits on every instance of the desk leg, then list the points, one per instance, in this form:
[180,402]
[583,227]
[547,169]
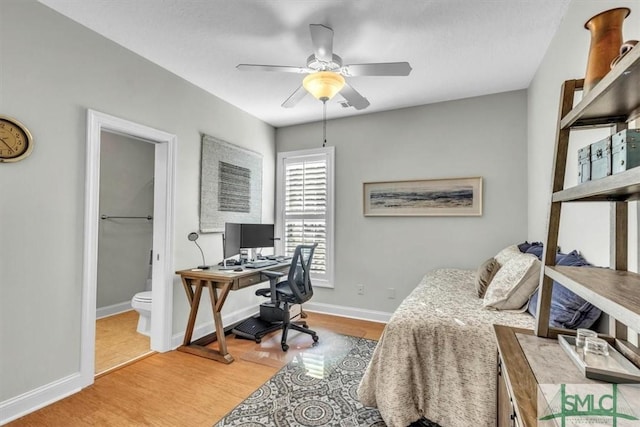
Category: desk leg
[199,347]
[194,300]
[216,306]
[188,289]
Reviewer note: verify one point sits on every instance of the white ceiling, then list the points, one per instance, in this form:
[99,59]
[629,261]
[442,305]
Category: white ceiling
[457,48]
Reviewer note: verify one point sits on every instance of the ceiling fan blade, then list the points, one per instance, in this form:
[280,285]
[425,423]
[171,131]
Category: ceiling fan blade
[322,39]
[295,97]
[280,68]
[354,98]
[379,69]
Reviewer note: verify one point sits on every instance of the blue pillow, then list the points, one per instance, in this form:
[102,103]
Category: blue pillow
[572,259]
[526,245]
[537,250]
[568,310]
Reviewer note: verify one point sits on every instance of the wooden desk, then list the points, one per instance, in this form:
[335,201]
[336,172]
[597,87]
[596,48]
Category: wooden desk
[219,283]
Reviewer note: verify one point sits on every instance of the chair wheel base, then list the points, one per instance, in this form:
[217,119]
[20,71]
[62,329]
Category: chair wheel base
[285,347]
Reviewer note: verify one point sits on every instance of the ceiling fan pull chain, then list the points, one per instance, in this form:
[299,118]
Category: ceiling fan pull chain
[324,123]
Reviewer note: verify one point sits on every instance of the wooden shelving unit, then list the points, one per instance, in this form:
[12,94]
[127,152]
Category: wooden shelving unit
[613,291]
[621,187]
[612,102]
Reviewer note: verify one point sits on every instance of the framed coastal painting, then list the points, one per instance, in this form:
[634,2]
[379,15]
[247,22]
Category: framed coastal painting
[426,197]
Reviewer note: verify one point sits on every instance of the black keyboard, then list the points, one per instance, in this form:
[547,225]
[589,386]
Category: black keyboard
[261,263]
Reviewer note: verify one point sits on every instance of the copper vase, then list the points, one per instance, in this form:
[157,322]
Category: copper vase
[606,39]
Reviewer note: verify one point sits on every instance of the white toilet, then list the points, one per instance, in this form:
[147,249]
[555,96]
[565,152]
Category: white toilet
[141,302]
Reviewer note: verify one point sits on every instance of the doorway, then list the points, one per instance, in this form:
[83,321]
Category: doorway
[125,240]
[164,145]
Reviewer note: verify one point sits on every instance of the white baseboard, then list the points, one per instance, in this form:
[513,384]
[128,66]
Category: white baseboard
[33,400]
[351,312]
[40,397]
[110,310]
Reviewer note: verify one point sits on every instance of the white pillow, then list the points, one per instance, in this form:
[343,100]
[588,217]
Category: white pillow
[507,253]
[513,284]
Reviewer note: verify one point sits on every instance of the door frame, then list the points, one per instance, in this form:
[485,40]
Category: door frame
[163,230]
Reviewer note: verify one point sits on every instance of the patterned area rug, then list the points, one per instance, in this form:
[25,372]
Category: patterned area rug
[314,389]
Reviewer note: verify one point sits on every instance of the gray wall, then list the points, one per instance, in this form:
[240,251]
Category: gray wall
[126,189]
[484,136]
[52,71]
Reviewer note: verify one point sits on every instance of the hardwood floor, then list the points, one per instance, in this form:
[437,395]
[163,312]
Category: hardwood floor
[118,342]
[180,389]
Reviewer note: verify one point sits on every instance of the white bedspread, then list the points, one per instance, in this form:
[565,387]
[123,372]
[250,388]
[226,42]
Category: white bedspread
[437,356]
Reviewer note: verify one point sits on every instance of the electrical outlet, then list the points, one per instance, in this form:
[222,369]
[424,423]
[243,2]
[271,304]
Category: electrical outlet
[391,293]
[360,289]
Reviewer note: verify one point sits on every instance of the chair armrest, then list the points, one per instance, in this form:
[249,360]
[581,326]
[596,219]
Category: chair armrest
[272,274]
[264,292]
[273,279]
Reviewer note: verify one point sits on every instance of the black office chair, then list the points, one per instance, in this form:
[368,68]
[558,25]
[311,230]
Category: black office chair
[295,290]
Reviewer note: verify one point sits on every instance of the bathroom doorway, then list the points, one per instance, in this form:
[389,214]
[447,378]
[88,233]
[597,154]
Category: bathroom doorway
[160,258]
[125,256]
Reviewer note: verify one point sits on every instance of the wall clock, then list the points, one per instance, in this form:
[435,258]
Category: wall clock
[16,141]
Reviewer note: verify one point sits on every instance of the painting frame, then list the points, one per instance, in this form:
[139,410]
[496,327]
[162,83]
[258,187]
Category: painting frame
[240,199]
[423,197]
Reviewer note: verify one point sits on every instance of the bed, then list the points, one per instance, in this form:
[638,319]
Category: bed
[437,356]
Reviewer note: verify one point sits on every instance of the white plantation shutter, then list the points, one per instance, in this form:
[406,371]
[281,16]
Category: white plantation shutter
[305,187]
[306,208]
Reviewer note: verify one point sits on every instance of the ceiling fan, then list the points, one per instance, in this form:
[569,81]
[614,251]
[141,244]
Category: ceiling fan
[326,72]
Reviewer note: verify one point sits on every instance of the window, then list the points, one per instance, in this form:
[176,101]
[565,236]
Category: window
[304,190]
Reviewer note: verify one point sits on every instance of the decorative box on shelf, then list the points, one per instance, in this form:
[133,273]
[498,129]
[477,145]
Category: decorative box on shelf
[584,164]
[625,150]
[601,158]
[611,155]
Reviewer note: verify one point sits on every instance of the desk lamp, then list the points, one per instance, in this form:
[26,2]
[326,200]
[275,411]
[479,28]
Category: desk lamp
[193,237]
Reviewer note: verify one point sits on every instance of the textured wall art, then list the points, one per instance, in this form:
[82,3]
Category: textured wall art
[230,185]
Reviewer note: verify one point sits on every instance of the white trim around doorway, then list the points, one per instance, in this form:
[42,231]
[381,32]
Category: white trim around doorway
[163,211]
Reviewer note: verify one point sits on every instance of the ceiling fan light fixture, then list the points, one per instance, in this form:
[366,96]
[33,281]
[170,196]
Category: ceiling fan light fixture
[324,84]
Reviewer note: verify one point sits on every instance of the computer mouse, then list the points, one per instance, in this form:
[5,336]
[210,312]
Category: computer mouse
[237,269]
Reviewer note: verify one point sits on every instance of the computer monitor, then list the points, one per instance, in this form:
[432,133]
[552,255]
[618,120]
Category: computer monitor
[256,236]
[247,236]
[232,233]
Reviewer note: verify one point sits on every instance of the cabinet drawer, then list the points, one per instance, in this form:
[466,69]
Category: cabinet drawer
[243,282]
[254,279]
[507,416]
